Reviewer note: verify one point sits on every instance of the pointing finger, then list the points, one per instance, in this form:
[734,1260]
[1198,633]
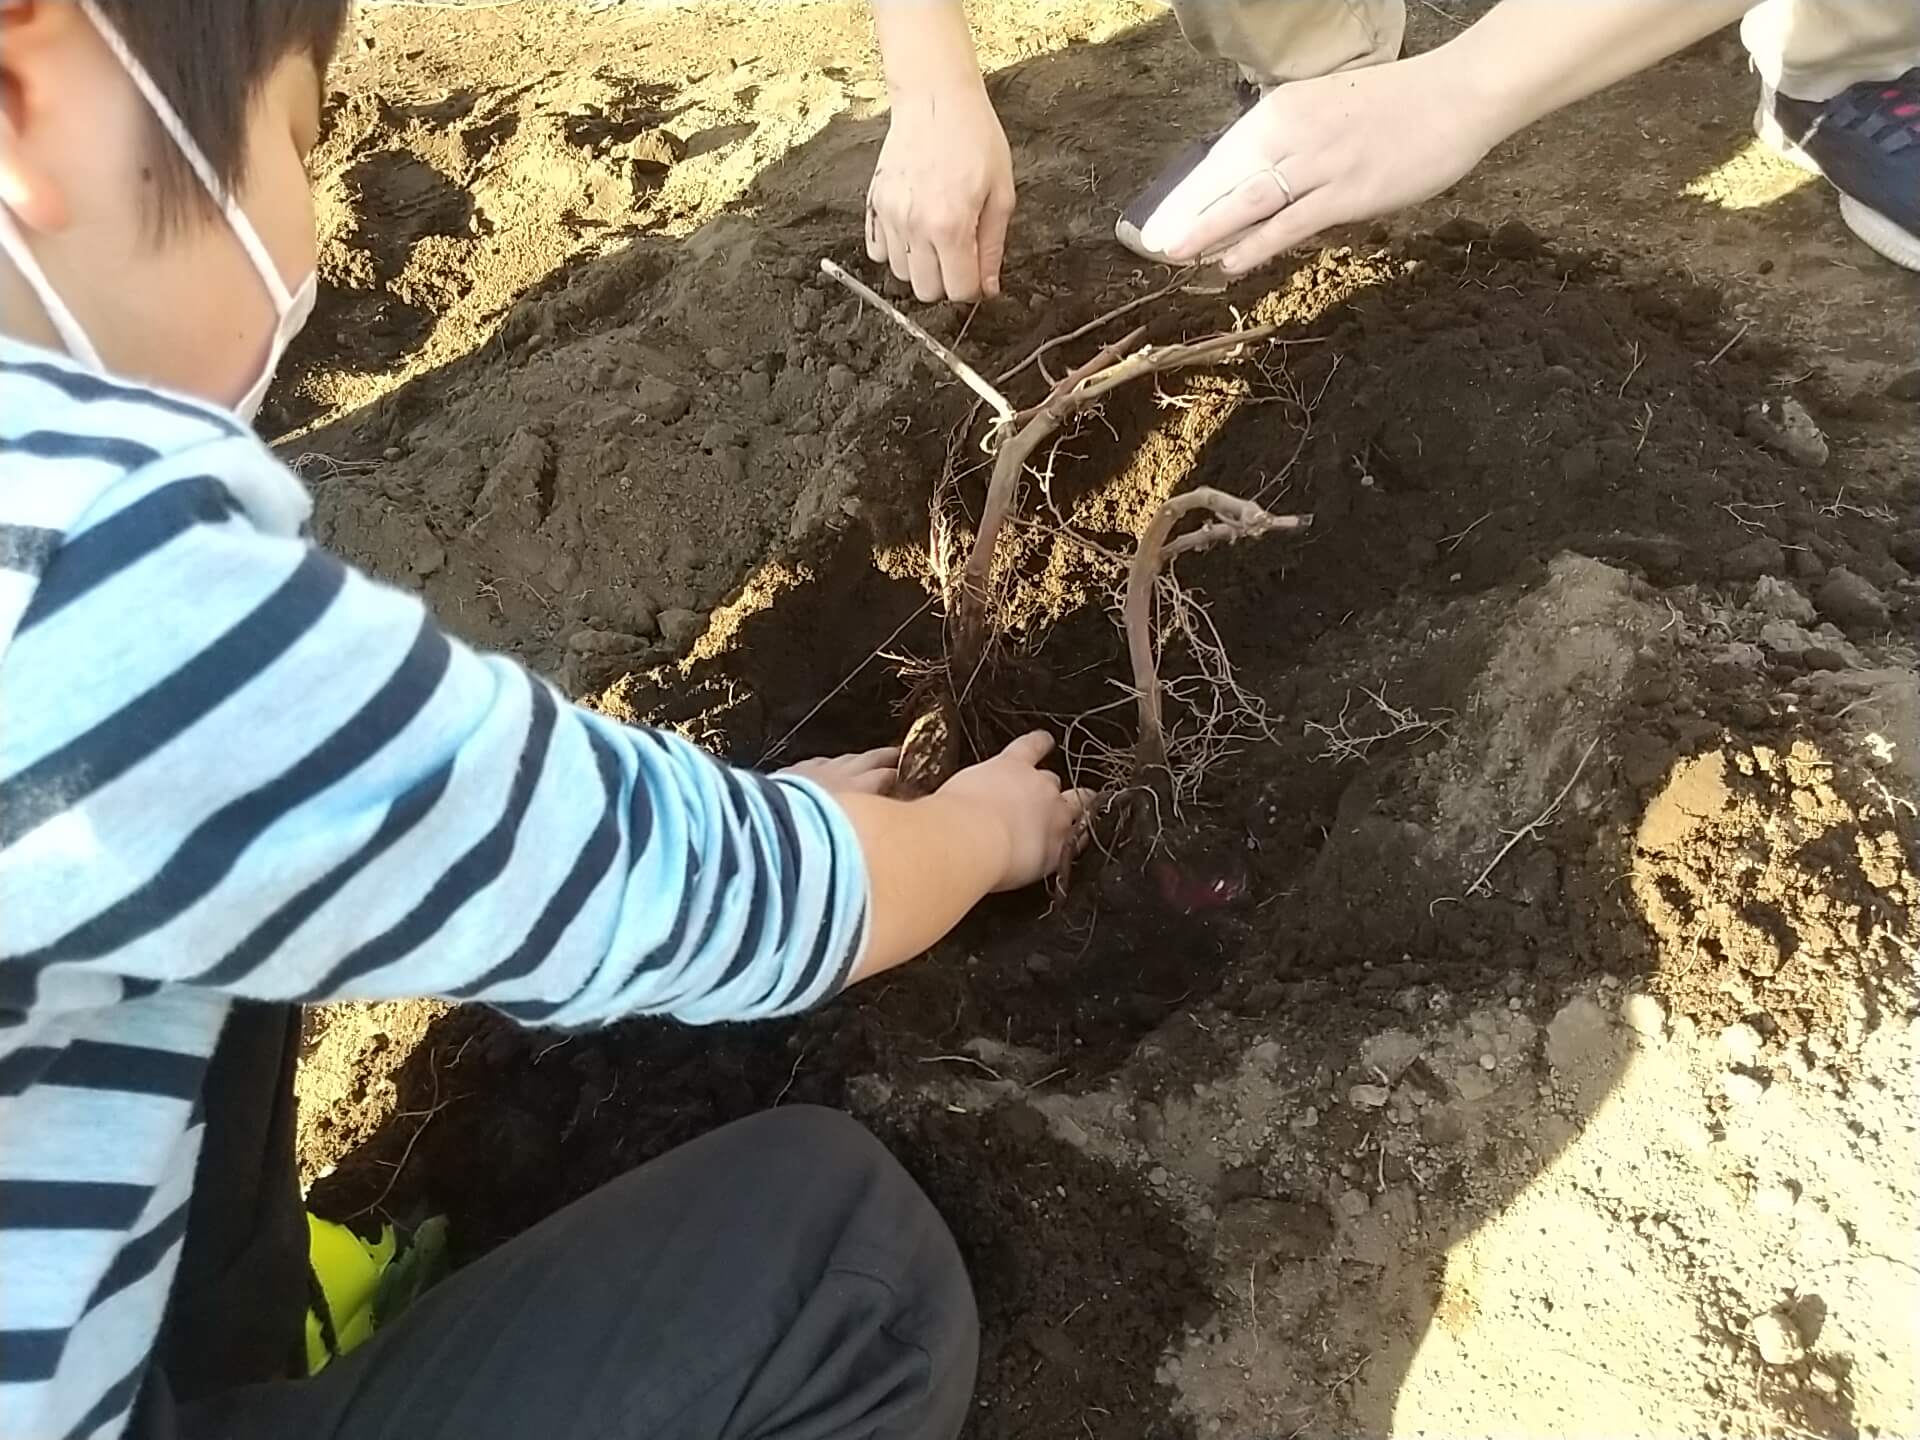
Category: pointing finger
[1031,748]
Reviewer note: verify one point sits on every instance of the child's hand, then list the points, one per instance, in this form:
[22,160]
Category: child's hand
[1040,820]
[870,772]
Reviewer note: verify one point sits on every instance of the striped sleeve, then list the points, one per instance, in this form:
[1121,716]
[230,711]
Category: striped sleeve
[228,760]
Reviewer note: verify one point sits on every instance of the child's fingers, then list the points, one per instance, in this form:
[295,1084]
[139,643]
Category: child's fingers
[877,780]
[886,757]
[1079,806]
[1030,749]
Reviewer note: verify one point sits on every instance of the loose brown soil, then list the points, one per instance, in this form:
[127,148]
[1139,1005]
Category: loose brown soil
[1550,570]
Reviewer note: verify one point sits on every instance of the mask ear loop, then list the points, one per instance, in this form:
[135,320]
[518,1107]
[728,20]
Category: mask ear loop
[189,149]
[78,345]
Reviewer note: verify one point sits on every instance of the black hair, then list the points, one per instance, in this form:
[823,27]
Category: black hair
[210,59]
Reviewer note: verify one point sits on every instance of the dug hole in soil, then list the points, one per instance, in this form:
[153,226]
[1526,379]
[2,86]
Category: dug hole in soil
[1556,575]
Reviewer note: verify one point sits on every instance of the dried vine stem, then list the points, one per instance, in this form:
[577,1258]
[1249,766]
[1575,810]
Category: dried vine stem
[1233,519]
[1012,440]
[1111,368]
[967,375]
[1094,324]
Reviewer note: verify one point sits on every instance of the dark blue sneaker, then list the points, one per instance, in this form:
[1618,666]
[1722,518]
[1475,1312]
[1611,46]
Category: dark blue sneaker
[1866,141]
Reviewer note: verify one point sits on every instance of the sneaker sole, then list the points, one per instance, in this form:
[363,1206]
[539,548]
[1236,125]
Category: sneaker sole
[1878,233]
[1874,230]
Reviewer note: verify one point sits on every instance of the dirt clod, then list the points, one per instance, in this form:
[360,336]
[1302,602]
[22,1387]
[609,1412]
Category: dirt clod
[1783,424]
[1852,602]
[661,400]
[1777,1338]
[680,628]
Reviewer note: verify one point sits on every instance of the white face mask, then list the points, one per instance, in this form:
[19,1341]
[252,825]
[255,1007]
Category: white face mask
[290,308]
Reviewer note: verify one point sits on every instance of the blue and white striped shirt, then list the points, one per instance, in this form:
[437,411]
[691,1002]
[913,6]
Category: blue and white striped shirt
[231,766]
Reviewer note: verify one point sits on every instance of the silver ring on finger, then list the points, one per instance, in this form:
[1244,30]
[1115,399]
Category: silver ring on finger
[1280,179]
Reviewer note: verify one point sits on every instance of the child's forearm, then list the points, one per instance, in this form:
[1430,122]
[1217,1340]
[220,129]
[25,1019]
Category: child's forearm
[924,45]
[1527,58]
[928,862]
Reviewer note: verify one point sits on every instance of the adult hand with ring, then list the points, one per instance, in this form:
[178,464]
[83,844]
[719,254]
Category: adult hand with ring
[1316,153]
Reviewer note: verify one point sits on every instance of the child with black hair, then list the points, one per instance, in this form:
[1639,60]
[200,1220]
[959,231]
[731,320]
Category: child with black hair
[236,776]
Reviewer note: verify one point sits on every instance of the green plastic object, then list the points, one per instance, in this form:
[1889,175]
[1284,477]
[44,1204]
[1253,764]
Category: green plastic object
[360,1285]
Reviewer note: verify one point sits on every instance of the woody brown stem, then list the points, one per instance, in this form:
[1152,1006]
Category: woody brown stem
[1234,519]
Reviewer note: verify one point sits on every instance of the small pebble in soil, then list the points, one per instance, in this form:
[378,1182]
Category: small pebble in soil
[1354,1203]
[1784,638]
[1777,1339]
[1783,425]
[1487,1062]
[1741,1042]
[1157,1175]
[719,357]
[1740,1088]
[1368,1097]
[1776,597]
[392,452]
[1644,1015]
[1305,1120]
[661,399]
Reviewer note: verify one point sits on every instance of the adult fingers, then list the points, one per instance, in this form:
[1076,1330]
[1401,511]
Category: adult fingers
[1030,749]
[1293,226]
[995,216]
[879,758]
[959,259]
[1249,202]
[1255,201]
[1240,155]
[895,250]
[923,269]
[876,236]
